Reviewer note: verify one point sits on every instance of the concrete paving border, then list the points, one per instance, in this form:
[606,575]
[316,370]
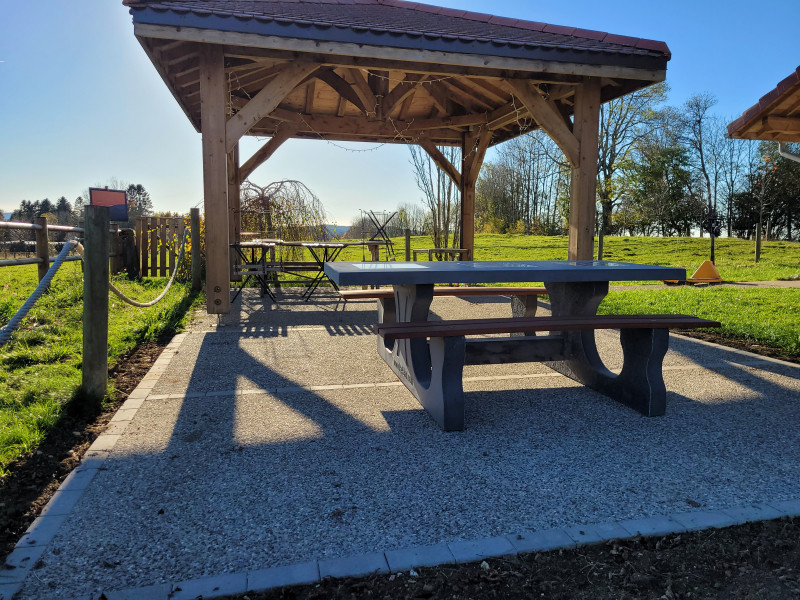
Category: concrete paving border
[33,543]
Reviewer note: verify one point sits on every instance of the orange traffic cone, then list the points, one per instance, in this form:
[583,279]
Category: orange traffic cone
[706,273]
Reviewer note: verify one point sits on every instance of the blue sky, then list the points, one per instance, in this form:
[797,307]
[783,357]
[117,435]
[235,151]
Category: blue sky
[80,102]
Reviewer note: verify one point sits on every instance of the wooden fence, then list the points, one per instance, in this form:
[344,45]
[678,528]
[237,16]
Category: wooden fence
[158,241]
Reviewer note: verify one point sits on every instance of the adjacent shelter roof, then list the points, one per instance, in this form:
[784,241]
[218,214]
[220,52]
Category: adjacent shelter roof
[391,70]
[776,116]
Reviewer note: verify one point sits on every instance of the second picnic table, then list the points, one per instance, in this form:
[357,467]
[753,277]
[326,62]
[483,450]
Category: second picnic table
[428,357]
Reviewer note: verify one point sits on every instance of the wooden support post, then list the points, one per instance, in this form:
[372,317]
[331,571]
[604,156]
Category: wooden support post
[95,306]
[197,258]
[583,190]
[473,150]
[42,247]
[215,180]
[234,207]
[408,244]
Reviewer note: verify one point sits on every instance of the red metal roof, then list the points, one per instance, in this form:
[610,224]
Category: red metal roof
[410,19]
[783,102]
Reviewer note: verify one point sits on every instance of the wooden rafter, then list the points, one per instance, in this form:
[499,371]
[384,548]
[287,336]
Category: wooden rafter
[505,115]
[342,87]
[548,117]
[438,96]
[336,126]
[454,92]
[440,160]
[361,87]
[475,93]
[781,124]
[402,91]
[311,90]
[405,109]
[283,133]
[266,101]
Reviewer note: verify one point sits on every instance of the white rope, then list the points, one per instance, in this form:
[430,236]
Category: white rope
[160,297]
[8,328]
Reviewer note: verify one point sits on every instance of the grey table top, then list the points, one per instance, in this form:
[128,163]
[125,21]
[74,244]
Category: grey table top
[406,273]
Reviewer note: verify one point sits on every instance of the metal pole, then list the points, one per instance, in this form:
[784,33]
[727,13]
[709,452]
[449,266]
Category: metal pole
[197,267]
[408,244]
[95,306]
[42,247]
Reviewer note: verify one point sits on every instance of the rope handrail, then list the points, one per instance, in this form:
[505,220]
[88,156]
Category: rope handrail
[160,297]
[8,328]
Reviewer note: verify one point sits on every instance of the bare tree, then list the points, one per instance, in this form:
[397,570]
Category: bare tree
[701,134]
[440,195]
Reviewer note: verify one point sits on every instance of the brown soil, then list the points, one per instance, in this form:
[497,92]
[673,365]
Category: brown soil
[758,560]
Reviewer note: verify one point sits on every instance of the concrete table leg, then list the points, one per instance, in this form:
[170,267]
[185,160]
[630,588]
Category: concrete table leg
[431,369]
[640,385]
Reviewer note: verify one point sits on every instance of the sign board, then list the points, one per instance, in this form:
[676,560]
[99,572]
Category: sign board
[115,200]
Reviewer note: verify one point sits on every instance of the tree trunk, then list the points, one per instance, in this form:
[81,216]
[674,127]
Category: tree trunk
[758,237]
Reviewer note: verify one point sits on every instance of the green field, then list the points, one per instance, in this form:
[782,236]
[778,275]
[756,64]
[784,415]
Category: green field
[41,365]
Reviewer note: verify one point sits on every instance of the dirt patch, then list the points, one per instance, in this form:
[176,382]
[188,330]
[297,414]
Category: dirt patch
[757,560]
[747,346]
[34,478]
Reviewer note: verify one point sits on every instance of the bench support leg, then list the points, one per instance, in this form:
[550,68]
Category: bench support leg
[640,385]
[432,369]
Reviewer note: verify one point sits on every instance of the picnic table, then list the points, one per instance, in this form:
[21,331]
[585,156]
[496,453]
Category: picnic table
[255,261]
[428,356]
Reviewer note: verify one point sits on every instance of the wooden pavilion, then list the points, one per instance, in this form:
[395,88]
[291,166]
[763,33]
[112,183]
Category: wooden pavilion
[775,117]
[383,71]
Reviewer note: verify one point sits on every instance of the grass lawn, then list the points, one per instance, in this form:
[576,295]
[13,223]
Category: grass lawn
[768,316]
[41,365]
[734,258]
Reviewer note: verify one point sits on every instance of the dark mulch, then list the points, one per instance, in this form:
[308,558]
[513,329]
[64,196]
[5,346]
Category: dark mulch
[757,560]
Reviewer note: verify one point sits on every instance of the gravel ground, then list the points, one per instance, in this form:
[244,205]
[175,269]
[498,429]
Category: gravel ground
[297,468]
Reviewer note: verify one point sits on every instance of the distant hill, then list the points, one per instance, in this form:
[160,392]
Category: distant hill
[6,216]
[337,230]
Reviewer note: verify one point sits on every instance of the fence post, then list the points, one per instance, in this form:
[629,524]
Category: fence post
[197,267]
[42,247]
[408,244]
[95,305]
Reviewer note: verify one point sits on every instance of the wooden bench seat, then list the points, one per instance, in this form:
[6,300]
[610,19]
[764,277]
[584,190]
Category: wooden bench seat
[428,329]
[383,293]
[429,356]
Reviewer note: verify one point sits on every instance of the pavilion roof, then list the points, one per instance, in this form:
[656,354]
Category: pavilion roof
[776,116]
[420,65]
[400,23]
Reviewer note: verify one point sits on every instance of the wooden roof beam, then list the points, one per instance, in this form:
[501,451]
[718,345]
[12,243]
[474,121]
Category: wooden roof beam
[265,101]
[440,160]
[402,91]
[355,125]
[781,124]
[342,87]
[362,89]
[283,133]
[548,117]
[505,115]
